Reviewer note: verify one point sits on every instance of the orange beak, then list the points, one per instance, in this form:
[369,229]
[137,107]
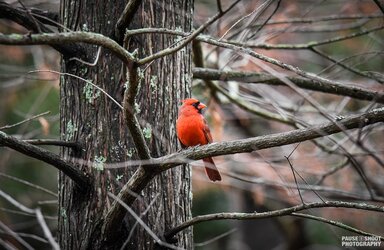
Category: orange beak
[201,106]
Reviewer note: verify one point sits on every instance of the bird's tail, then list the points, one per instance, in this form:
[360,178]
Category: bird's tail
[211,169]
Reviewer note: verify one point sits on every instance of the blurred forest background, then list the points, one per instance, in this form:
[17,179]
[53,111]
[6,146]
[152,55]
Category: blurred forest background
[258,181]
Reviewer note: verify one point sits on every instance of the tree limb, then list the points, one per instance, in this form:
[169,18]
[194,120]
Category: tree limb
[316,85]
[337,224]
[129,112]
[19,16]
[67,168]
[270,214]
[54,142]
[68,37]
[241,48]
[304,45]
[24,121]
[125,19]
[142,176]
[266,141]
[188,38]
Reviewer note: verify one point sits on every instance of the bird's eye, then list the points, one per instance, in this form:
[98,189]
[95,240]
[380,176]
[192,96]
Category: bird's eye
[196,104]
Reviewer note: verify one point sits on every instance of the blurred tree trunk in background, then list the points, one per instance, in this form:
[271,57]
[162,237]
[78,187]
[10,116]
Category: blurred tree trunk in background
[88,116]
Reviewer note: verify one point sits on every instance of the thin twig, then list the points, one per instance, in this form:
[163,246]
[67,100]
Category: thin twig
[11,211]
[293,173]
[54,142]
[353,70]
[19,16]
[141,177]
[87,63]
[337,224]
[271,214]
[137,222]
[30,236]
[311,187]
[47,232]
[69,37]
[125,19]
[29,14]
[80,78]
[267,141]
[290,120]
[259,9]
[329,18]
[187,39]
[24,121]
[15,203]
[201,244]
[28,184]
[142,223]
[305,45]
[316,85]
[333,170]
[15,236]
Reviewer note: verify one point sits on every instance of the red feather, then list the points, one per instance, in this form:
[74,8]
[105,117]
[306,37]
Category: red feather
[192,130]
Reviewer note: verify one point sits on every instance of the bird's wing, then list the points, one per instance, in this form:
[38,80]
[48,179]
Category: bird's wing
[207,132]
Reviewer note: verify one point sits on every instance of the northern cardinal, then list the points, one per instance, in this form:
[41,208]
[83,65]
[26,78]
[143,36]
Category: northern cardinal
[192,130]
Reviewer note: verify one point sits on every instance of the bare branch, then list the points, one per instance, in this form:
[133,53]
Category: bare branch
[270,214]
[354,70]
[125,19]
[15,236]
[328,191]
[129,113]
[69,37]
[316,85]
[34,21]
[46,17]
[188,39]
[305,45]
[316,82]
[337,224]
[142,223]
[138,181]
[267,141]
[82,79]
[67,168]
[16,203]
[294,176]
[30,236]
[132,229]
[88,63]
[54,142]
[330,18]
[252,108]
[150,168]
[212,40]
[28,184]
[46,230]
[201,244]
[24,121]
[19,16]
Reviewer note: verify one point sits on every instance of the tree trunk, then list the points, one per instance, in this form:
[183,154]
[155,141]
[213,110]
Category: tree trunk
[89,117]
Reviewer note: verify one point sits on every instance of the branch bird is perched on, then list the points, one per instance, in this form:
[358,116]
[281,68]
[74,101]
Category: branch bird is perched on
[192,129]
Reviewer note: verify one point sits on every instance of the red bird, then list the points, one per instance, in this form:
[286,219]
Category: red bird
[192,130]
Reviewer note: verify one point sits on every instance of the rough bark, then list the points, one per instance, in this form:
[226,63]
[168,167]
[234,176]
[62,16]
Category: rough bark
[89,117]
